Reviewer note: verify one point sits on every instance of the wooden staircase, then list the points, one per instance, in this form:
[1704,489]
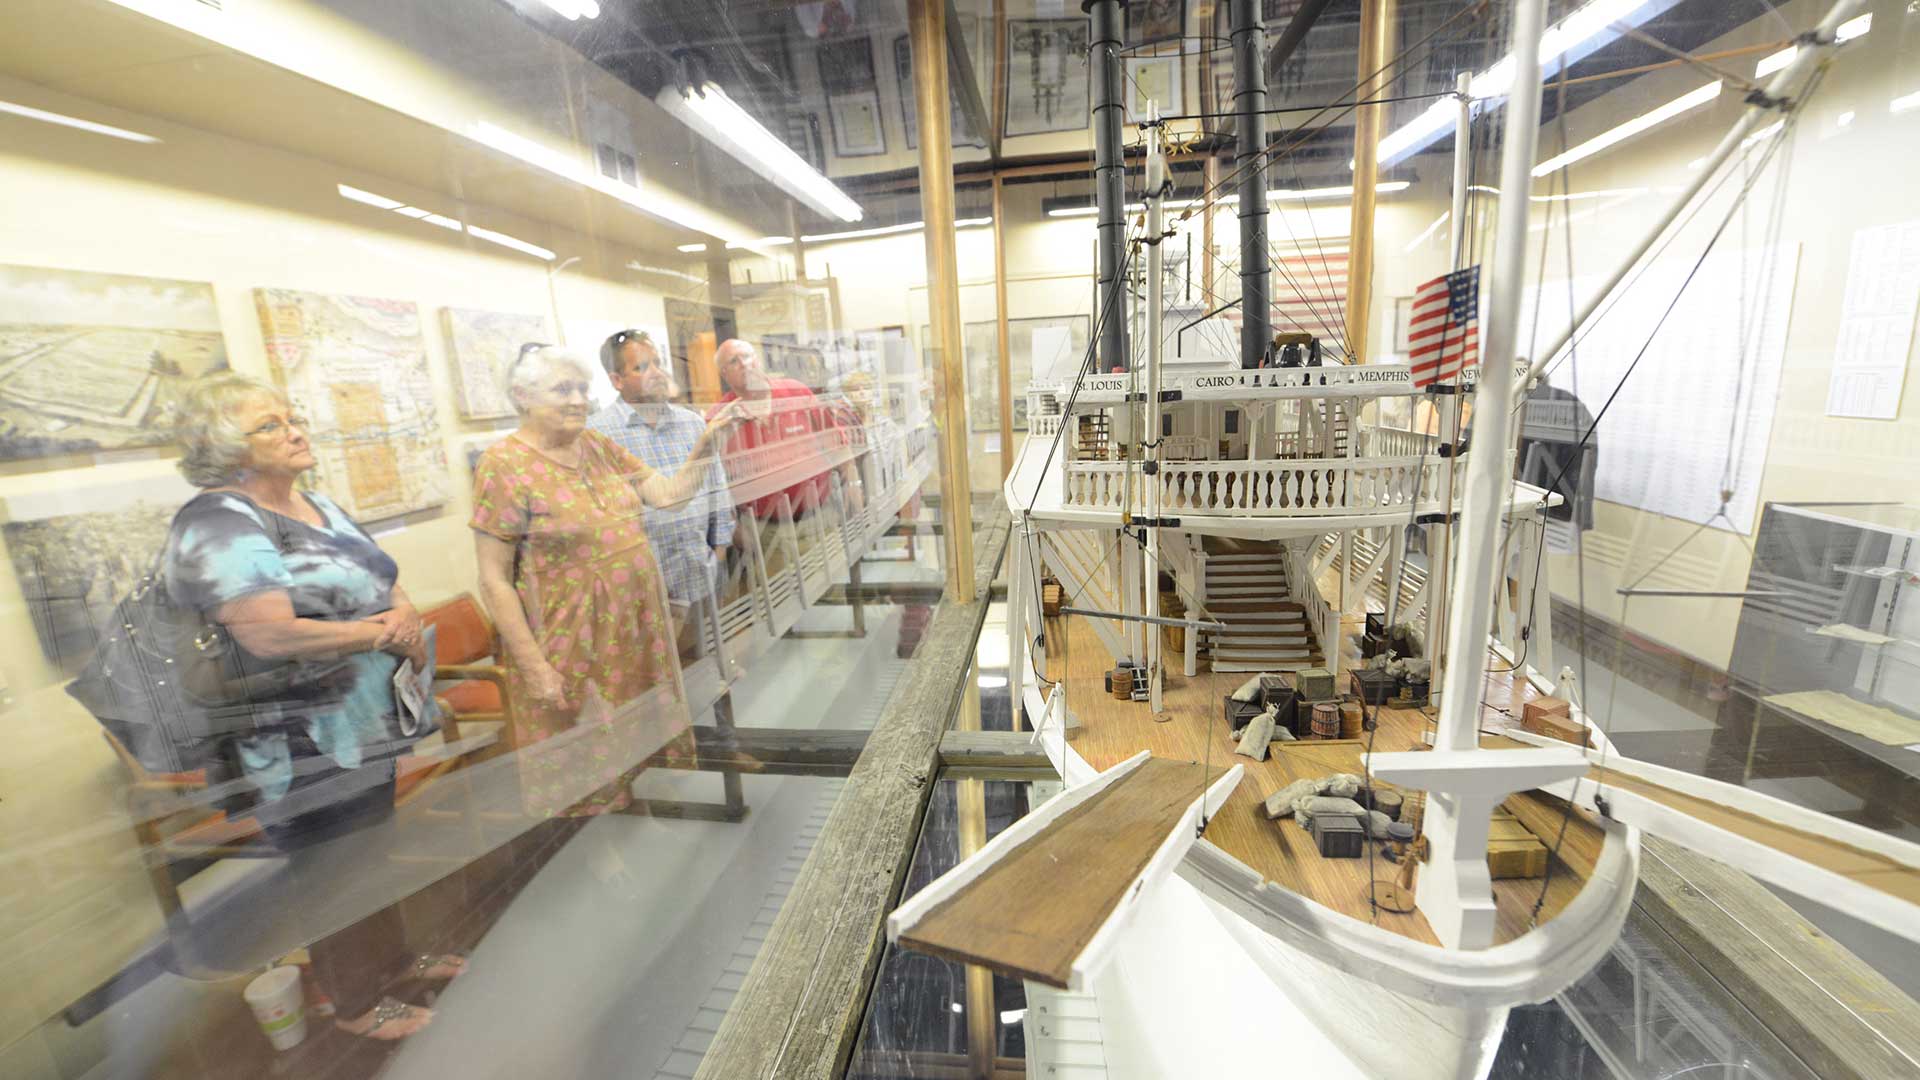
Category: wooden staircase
[1265,630]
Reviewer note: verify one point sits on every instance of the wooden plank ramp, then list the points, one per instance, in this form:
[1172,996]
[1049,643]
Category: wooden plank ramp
[1044,899]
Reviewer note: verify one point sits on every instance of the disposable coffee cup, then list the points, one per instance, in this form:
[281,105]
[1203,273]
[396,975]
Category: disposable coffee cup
[279,1002]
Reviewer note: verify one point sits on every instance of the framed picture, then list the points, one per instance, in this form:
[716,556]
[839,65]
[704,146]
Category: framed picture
[853,96]
[98,362]
[1403,324]
[481,346]
[857,130]
[1221,107]
[357,367]
[1156,79]
[1149,21]
[78,549]
[803,138]
[1046,67]
[1045,344]
[962,131]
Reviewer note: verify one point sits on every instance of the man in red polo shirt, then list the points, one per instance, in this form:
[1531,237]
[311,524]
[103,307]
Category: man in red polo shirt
[781,411]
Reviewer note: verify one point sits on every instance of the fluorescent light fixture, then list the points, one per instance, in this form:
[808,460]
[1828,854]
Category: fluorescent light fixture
[890,230]
[691,249]
[1574,36]
[657,203]
[506,241]
[1845,32]
[1628,130]
[369,198]
[45,117]
[1764,133]
[381,202]
[575,9]
[1904,104]
[709,111]
[1844,119]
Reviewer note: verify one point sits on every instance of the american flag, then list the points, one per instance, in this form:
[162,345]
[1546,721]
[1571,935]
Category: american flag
[1445,330]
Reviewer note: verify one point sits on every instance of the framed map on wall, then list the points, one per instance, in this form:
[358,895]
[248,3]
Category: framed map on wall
[482,344]
[357,369]
[77,551]
[92,362]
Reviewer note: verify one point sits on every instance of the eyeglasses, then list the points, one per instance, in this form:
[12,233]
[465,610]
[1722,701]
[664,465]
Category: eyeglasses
[277,428]
[620,339]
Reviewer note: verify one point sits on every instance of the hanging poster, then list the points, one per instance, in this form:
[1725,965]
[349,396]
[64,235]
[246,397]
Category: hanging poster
[1149,21]
[92,362]
[1046,76]
[481,345]
[356,368]
[962,130]
[853,96]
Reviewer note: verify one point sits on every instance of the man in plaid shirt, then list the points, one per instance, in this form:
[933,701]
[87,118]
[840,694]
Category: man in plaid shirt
[691,542]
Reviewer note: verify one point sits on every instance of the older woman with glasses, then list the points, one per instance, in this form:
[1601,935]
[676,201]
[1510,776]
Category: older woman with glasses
[292,578]
[574,589]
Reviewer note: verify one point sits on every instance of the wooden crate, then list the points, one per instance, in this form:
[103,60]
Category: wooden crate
[1512,851]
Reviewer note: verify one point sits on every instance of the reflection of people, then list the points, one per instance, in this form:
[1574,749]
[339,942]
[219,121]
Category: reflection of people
[692,541]
[292,577]
[777,410]
[566,570]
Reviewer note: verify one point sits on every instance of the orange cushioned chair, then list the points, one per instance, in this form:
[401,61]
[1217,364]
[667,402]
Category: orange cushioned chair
[472,687]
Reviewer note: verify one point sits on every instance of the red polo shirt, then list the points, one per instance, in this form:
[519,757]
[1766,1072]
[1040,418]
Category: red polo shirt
[796,414]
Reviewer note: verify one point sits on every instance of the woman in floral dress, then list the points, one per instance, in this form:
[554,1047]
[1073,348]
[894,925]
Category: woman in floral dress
[574,590]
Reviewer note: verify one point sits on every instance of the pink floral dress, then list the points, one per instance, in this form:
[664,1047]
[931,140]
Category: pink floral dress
[596,603]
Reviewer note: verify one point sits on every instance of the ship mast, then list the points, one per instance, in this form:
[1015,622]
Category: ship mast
[1463,782]
[1250,158]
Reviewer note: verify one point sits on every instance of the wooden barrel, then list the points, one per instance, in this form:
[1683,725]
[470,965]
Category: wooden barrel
[1351,719]
[1387,802]
[1326,720]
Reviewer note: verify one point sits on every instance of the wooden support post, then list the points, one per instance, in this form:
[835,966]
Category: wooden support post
[1212,180]
[927,23]
[800,1009]
[1005,368]
[1377,18]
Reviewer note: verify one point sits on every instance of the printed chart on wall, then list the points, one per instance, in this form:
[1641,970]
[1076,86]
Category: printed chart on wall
[1694,418]
[1876,323]
[92,362]
[482,344]
[357,369]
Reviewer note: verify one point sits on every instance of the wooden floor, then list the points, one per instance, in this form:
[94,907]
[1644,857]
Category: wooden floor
[1088,858]
[1193,728]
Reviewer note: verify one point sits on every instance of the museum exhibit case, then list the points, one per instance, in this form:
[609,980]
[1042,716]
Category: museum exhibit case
[958,538]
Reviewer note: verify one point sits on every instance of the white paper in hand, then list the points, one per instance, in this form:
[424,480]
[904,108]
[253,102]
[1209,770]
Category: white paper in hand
[413,692]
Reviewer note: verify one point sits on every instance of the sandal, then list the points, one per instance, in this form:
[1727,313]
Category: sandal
[440,967]
[391,1019]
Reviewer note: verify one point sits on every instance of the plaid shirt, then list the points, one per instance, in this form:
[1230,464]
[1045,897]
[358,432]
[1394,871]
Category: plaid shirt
[683,540]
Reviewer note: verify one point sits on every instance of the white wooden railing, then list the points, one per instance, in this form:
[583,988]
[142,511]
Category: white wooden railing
[1394,442]
[1305,487]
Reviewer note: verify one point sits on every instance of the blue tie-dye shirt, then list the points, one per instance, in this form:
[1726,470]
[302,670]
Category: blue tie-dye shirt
[223,547]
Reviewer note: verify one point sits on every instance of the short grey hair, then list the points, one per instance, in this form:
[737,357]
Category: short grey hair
[213,447]
[533,367]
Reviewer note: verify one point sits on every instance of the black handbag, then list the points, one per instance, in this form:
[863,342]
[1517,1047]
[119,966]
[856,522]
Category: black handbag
[170,684]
